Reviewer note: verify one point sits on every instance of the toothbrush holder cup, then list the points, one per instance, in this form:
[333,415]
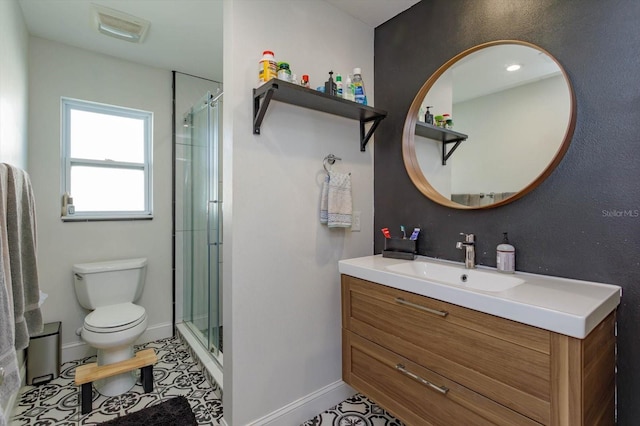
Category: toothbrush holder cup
[399,248]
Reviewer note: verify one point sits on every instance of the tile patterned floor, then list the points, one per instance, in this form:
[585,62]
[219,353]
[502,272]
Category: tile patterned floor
[355,411]
[176,373]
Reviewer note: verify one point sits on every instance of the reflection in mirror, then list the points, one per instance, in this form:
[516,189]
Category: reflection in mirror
[508,129]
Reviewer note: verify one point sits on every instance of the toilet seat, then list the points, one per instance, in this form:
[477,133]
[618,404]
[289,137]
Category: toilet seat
[114,318]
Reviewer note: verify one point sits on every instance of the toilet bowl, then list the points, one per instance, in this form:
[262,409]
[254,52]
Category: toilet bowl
[115,323]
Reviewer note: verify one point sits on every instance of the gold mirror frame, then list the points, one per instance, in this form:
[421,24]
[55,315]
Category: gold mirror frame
[408,134]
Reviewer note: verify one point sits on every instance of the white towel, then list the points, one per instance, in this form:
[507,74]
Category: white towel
[324,201]
[8,360]
[21,234]
[339,203]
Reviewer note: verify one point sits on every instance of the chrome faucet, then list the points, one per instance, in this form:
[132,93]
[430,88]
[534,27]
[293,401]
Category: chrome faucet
[469,245]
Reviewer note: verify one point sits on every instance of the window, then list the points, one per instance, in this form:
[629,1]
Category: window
[106,155]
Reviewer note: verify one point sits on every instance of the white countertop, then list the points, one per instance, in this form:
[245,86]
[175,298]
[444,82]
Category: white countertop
[561,305]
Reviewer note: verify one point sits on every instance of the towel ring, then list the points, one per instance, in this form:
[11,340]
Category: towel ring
[330,159]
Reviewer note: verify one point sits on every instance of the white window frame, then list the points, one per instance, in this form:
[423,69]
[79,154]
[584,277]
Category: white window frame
[68,104]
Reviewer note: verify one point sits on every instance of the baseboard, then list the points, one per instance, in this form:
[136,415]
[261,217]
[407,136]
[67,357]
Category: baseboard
[78,350]
[307,407]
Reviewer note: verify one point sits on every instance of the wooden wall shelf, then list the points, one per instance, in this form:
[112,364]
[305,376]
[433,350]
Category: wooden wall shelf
[294,94]
[446,136]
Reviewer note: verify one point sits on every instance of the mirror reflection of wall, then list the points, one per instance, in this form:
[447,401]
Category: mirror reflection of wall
[516,122]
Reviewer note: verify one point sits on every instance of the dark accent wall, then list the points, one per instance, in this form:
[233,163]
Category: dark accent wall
[583,221]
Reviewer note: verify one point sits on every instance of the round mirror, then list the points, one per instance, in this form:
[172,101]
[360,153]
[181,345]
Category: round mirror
[489,125]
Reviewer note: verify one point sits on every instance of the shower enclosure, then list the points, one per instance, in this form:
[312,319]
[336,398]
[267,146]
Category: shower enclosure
[198,219]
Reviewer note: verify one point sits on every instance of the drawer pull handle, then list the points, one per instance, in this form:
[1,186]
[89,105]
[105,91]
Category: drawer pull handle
[401,301]
[443,390]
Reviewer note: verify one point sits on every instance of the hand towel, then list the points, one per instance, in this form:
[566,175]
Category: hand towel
[339,203]
[21,235]
[324,201]
[8,360]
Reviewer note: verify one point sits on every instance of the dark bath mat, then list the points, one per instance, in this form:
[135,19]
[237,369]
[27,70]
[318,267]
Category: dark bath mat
[172,412]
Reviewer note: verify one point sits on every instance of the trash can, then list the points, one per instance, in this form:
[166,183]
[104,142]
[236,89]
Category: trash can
[43,355]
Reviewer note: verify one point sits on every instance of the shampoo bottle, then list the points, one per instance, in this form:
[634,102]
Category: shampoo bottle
[506,256]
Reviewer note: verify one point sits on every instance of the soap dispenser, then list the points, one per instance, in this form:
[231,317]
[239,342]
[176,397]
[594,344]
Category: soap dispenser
[330,87]
[428,117]
[506,256]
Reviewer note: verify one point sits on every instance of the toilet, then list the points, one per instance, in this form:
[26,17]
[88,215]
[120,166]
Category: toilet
[109,289]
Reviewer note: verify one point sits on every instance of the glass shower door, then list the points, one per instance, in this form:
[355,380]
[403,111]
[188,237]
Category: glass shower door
[202,207]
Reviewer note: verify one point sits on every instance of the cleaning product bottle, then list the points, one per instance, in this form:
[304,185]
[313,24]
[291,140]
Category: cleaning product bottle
[339,86]
[358,87]
[267,68]
[347,91]
[506,256]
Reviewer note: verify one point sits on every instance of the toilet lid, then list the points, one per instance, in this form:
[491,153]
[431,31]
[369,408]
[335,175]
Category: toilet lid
[113,317]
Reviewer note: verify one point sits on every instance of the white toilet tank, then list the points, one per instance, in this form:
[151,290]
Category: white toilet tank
[108,283]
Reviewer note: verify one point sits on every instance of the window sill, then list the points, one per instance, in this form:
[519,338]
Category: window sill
[89,218]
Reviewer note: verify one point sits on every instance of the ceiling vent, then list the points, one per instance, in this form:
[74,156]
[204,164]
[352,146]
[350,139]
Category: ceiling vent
[119,24]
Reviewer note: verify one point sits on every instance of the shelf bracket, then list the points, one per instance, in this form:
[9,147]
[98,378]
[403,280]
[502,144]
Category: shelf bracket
[364,138]
[259,110]
[445,154]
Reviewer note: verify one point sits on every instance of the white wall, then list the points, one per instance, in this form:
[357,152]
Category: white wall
[57,70]
[14,40]
[14,48]
[281,285]
[509,128]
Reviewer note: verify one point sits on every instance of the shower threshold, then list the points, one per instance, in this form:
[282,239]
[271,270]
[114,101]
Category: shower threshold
[210,363]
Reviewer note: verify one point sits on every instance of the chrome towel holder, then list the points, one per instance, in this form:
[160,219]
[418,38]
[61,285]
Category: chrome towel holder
[329,159]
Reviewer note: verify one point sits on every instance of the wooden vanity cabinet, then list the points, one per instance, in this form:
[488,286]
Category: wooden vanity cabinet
[434,363]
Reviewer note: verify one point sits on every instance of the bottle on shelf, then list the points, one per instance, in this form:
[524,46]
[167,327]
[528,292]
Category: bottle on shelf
[339,86]
[267,68]
[358,87]
[428,117]
[284,71]
[330,85]
[347,91]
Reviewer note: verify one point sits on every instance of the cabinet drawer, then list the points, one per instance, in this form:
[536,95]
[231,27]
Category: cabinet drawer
[504,360]
[416,395]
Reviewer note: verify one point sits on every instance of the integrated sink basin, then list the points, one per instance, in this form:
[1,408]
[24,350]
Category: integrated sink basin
[456,275]
[566,306]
